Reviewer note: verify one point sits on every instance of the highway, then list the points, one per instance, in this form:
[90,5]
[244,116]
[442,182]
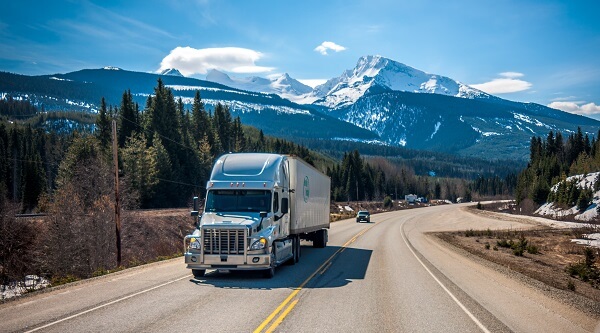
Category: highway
[385,276]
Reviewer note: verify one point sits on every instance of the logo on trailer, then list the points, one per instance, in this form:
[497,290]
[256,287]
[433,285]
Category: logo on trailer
[306,189]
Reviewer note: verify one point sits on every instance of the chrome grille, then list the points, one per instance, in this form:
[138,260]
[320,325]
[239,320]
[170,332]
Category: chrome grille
[223,241]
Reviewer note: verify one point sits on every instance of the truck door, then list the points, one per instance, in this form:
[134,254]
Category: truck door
[283,192]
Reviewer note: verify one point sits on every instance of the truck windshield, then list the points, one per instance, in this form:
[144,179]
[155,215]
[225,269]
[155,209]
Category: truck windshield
[238,201]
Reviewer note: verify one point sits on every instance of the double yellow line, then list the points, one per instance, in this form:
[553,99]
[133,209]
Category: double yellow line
[292,297]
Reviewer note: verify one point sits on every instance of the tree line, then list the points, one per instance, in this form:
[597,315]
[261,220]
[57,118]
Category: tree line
[374,178]
[166,152]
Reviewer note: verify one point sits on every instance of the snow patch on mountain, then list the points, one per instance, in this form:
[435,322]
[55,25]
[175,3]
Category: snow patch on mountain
[374,142]
[172,72]
[59,79]
[435,130]
[188,88]
[530,120]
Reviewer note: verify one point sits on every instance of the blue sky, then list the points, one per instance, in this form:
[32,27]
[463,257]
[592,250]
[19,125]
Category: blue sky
[546,52]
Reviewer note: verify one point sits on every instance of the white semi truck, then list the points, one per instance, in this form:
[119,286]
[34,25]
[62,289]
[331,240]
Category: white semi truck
[257,209]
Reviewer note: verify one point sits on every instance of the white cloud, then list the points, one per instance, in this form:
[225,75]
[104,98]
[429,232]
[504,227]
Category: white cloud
[507,83]
[511,75]
[312,82]
[329,46]
[588,109]
[190,61]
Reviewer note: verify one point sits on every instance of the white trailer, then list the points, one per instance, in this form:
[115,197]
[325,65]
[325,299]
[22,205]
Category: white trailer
[257,209]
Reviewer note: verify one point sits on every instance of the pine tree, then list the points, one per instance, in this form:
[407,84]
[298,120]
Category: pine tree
[222,124]
[103,126]
[140,167]
[127,120]
[239,140]
[200,119]
[164,190]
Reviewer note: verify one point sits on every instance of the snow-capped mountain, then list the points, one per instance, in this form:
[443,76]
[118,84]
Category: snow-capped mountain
[172,72]
[380,100]
[282,85]
[83,90]
[378,72]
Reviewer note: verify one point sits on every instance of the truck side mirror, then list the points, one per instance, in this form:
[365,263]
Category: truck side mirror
[284,205]
[194,213]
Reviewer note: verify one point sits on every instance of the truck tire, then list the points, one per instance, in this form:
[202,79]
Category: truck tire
[198,273]
[320,239]
[270,272]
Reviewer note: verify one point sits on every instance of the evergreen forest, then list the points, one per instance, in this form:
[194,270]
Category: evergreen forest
[552,160]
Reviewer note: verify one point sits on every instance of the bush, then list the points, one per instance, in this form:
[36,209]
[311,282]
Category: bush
[532,249]
[487,246]
[470,233]
[17,245]
[58,280]
[387,202]
[519,246]
[586,269]
[518,252]
[488,232]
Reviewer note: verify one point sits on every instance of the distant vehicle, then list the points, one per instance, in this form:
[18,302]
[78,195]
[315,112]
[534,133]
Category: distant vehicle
[410,198]
[363,215]
[258,207]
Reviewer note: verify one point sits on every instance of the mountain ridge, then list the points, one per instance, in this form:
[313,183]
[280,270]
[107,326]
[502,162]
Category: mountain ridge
[366,104]
[282,85]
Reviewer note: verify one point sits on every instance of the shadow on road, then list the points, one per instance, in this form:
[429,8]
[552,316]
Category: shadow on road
[348,264]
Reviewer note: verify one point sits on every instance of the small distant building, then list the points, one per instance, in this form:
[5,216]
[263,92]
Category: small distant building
[410,198]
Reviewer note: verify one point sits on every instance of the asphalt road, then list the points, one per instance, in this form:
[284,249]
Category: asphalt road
[383,276]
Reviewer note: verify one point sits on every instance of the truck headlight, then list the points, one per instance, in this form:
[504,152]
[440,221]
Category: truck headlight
[194,243]
[259,244]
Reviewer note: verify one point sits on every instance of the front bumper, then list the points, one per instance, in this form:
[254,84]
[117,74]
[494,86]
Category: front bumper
[231,262]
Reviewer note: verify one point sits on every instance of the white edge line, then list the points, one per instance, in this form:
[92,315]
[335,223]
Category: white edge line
[105,305]
[475,320]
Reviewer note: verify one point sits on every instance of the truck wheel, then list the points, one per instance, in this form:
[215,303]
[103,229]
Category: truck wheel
[320,239]
[198,273]
[270,272]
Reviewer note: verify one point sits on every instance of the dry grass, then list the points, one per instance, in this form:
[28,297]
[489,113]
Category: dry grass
[555,253]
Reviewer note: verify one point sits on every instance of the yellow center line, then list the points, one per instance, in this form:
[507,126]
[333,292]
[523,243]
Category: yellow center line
[321,269]
[326,267]
[282,316]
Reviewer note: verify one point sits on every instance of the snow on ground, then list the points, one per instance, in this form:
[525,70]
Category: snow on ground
[590,214]
[590,240]
[31,283]
[549,209]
